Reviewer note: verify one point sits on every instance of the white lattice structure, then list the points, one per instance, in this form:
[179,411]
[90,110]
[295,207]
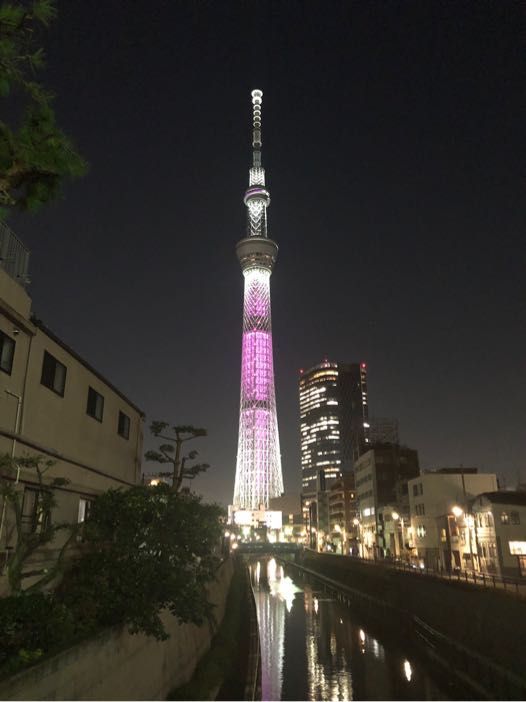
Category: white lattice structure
[258,469]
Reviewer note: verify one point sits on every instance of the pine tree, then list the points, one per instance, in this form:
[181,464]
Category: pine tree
[35,155]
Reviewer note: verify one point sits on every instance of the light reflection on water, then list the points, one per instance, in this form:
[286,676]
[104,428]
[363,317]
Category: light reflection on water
[329,675]
[274,594]
[312,650]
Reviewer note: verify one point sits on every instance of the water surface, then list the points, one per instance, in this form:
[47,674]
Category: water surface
[313,649]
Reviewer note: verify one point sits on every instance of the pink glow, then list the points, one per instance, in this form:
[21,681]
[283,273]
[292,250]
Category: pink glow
[256,371]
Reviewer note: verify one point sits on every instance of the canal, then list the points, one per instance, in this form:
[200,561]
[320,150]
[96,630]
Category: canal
[315,648]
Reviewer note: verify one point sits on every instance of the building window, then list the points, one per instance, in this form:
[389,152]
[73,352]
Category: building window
[95,406]
[7,352]
[84,513]
[420,510]
[504,518]
[489,519]
[123,427]
[84,509]
[515,518]
[35,517]
[415,490]
[53,374]
[420,531]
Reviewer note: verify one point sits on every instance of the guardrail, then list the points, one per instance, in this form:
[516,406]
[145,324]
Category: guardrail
[515,586]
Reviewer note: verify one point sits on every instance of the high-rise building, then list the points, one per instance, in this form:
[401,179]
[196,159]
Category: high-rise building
[258,469]
[334,432]
[333,419]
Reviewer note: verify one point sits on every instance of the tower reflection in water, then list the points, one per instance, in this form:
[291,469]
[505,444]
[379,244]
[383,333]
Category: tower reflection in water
[328,670]
[274,594]
[311,649]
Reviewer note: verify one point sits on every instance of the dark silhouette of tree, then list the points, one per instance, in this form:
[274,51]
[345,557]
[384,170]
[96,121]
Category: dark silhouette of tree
[148,550]
[170,453]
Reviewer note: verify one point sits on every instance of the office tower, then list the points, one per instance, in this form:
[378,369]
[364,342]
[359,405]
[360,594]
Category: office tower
[334,430]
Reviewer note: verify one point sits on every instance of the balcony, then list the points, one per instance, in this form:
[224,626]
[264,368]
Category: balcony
[14,256]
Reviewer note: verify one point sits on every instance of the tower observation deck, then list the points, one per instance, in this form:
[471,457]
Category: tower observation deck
[258,468]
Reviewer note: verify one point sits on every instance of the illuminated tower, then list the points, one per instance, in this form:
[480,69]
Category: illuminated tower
[258,469]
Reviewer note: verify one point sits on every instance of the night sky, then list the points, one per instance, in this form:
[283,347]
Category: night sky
[394,139]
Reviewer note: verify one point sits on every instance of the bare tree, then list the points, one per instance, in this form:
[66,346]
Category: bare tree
[39,530]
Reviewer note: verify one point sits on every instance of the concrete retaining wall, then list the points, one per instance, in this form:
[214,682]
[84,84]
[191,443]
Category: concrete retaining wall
[116,665]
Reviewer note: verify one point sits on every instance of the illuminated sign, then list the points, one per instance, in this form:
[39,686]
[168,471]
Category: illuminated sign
[517,548]
[243,517]
[273,519]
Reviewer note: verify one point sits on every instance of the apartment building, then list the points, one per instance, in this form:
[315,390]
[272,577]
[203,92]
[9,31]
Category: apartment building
[499,522]
[55,404]
[440,535]
[343,514]
[382,476]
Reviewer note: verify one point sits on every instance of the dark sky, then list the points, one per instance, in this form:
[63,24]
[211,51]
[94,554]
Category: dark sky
[394,146]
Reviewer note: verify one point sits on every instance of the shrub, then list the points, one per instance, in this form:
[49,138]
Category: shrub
[31,625]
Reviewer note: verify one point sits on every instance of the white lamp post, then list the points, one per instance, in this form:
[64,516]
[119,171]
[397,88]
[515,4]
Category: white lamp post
[397,517]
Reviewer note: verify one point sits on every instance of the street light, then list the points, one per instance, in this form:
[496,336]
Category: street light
[356,522]
[397,517]
[459,512]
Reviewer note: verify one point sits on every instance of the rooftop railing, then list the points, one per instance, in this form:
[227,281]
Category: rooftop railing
[14,256]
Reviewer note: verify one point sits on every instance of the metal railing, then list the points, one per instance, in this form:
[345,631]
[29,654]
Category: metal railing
[14,255]
[515,586]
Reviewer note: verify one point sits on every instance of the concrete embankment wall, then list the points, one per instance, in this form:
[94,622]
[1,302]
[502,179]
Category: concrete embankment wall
[489,622]
[116,665]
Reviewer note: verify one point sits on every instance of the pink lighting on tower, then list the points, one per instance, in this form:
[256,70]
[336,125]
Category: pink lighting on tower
[258,467]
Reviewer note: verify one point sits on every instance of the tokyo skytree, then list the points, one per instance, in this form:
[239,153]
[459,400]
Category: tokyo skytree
[258,469]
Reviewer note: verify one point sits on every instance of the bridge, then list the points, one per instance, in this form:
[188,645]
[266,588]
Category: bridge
[265,547]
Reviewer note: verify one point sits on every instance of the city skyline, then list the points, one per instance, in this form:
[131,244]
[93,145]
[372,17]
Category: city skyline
[396,147]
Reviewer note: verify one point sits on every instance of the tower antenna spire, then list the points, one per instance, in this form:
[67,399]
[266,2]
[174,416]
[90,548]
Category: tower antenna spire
[258,467]
[257,100]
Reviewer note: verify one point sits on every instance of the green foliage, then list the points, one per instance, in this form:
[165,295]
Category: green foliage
[35,155]
[149,549]
[42,530]
[31,625]
[171,452]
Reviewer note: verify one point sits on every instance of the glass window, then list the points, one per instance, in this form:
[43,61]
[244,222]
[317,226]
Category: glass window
[53,374]
[7,353]
[489,519]
[123,427]
[95,406]
[515,518]
[84,509]
[504,518]
[34,518]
